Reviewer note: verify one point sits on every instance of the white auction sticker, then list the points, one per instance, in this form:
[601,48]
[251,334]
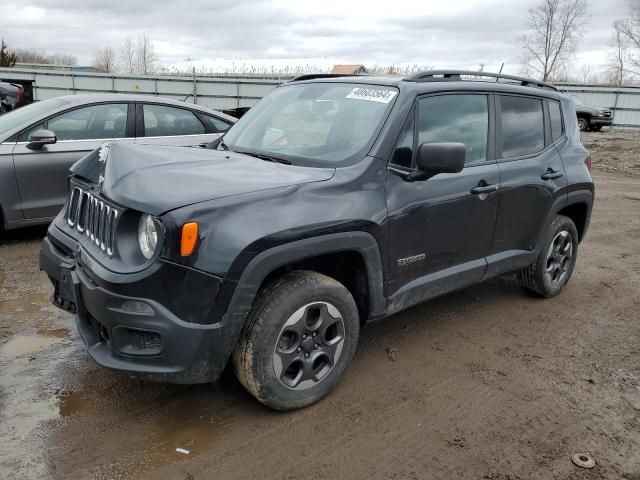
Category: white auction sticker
[372,94]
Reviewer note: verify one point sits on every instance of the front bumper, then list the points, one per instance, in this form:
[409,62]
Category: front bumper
[600,121]
[137,334]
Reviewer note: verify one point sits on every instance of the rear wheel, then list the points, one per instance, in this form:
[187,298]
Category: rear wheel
[583,125]
[299,339]
[555,262]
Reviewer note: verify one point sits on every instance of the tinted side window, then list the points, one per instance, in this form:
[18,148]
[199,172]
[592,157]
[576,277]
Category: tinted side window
[162,121]
[215,124]
[556,120]
[403,153]
[456,118]
[93,122]
[522,126]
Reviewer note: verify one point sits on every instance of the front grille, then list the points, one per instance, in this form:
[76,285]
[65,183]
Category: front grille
[93,217]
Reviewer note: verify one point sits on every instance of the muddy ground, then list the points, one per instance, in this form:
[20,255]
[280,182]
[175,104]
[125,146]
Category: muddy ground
[486,383]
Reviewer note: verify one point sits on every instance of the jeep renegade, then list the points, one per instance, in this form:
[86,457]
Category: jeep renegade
[336,200]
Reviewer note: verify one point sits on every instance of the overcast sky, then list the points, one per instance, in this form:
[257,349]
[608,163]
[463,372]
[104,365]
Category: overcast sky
[450,33]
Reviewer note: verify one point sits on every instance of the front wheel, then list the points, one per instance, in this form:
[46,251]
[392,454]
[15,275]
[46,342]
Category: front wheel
[583,125]
[298,341]
[555,262]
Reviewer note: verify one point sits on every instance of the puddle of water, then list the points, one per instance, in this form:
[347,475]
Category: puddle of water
[72,403]
[30,303]
[55,333]
[25,344]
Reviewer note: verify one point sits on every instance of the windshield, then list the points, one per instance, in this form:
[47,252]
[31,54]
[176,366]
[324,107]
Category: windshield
[30,113]
[316,124]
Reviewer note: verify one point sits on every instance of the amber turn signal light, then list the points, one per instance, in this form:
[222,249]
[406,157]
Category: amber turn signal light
[189,238]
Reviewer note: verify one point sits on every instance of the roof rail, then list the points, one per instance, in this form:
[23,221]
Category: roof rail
[312,76]
[456,75]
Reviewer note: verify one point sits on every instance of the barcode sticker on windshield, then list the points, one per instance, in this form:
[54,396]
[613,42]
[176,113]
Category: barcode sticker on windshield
[381,95]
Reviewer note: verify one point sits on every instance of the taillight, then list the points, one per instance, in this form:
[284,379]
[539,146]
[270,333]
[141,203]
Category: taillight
[588,162]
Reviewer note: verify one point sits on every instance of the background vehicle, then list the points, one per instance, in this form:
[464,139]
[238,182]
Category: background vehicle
[592,118]
[39,142]
[334,201]
[10,96]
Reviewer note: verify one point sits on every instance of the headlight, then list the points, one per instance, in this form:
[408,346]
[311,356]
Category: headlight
[147,236]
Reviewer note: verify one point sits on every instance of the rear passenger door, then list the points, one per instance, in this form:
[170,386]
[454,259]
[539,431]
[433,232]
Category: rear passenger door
[532,179]
[170,125]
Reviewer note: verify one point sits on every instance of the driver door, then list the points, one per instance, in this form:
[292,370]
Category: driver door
[440,229]
[42,174]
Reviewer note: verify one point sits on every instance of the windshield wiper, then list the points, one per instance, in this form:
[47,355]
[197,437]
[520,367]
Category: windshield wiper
[268,158]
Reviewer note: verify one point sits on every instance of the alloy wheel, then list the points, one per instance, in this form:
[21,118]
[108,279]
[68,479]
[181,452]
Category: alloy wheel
[559,258]
[309,345]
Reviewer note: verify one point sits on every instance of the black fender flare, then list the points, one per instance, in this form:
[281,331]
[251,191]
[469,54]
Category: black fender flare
[269,260]
[572,198]
[586,197]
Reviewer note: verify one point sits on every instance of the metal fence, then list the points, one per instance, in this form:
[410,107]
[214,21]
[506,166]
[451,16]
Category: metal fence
[223,93]
[218,93]
[624,102]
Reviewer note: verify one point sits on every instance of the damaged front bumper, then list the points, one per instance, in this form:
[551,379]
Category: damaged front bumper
[127,326]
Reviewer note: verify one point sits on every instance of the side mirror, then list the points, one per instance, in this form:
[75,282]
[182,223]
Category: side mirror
[435,158]
[40,138]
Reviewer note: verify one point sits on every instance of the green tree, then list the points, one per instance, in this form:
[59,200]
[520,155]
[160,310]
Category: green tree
[7,58]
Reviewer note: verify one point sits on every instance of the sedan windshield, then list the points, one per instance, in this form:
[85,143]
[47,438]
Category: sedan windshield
[316,124]
[27,115]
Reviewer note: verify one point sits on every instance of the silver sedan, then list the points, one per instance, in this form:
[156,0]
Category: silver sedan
[39,142]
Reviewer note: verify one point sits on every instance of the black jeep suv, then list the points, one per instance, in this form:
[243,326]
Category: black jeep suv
[336,200]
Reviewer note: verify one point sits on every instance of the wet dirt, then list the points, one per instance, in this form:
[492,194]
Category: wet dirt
[30,303]
[484,383]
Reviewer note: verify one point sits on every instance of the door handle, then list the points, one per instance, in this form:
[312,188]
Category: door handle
[484,189]
[551,174]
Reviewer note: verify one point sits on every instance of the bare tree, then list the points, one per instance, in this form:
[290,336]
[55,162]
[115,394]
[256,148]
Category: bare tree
[138,55]
[128,56]
[62,59]
[145,55]
[555,27]
[105,60]
[35,56]
[619,54]
[630,30]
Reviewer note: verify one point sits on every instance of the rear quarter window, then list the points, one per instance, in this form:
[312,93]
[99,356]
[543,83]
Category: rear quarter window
[556,120]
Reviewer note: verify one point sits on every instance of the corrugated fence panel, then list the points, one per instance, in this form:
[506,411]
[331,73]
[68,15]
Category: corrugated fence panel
[222,93]
[89,84]
[217,93]
[178,87]
[135,85]
[225,89]
[623,101]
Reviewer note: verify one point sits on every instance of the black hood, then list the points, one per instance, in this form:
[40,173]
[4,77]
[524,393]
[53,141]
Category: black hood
[155,179]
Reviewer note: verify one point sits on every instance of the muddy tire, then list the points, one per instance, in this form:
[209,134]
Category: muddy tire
[555,262]
[299,339]
[583,125]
